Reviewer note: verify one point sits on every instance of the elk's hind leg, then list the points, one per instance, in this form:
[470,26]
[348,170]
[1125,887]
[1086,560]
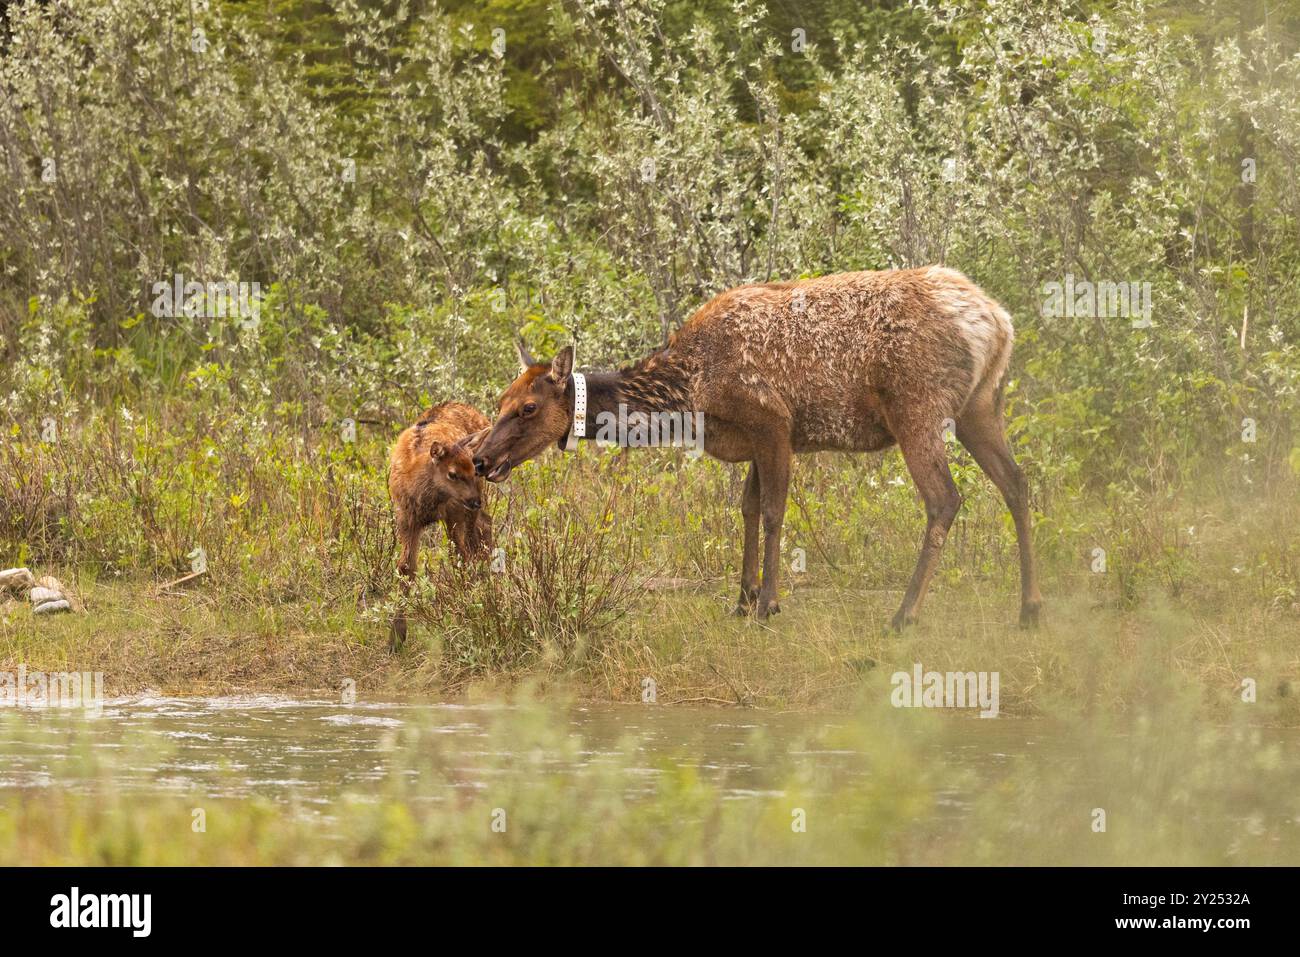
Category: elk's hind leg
[927,461]
[980,430]
[750,510]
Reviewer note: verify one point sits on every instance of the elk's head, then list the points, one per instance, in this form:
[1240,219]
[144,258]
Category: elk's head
[534,412]
[453,471]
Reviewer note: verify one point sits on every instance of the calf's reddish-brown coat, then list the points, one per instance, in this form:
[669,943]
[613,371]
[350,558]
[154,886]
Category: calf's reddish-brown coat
[855,361]
[431,479]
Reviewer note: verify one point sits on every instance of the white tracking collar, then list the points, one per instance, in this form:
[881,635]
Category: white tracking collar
[579,428]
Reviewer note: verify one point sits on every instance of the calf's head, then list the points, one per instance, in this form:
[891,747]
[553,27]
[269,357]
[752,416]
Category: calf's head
[453,471]
[536,411]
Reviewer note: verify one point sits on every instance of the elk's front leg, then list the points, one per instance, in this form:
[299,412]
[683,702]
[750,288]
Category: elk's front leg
[480,536]
[927,459]
[408,534]
[750,510]
[458,525]
[773,486]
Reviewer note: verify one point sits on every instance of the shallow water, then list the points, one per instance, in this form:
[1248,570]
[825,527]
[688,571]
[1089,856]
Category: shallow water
[312,751]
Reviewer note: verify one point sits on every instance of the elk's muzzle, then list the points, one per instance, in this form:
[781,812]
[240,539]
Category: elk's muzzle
[493,473]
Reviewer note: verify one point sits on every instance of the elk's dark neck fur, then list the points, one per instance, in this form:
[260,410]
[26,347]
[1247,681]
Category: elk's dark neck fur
[658,383]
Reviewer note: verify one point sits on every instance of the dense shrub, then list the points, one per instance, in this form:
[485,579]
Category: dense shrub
[409,194]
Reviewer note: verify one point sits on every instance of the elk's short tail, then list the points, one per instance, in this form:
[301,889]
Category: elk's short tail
[989,335]
[999,367]
[985,331]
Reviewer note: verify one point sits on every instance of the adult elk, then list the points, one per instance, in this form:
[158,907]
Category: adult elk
[853,362]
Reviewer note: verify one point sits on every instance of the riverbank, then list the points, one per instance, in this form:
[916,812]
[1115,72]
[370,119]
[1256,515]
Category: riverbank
[815,655]
[216,555]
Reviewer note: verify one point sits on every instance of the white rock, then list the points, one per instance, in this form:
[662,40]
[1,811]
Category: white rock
[40,595]
[15,579]
[50,607]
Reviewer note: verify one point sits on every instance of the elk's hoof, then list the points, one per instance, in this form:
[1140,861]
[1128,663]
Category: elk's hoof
[1031,615]
[901,621]
[745,604]
[766,610]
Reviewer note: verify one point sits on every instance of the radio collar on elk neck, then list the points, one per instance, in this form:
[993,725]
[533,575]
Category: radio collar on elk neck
[578,430]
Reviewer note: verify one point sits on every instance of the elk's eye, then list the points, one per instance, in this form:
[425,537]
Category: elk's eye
[529,408]
[453,476]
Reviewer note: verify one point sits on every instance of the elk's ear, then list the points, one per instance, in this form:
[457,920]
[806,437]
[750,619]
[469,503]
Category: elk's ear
[562,364]
[470,443]
[437,450]
[525,357]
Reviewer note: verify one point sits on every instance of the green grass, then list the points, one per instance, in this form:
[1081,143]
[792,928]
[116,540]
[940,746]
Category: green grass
[814,655]
[617,566]
[621,567]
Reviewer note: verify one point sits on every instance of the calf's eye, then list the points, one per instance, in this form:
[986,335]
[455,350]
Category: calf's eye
[529,408]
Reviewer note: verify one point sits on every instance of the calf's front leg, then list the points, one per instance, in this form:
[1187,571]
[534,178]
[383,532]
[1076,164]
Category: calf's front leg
[408,534]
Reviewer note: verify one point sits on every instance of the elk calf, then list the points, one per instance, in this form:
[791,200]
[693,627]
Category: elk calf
[856,362]
[431,479]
